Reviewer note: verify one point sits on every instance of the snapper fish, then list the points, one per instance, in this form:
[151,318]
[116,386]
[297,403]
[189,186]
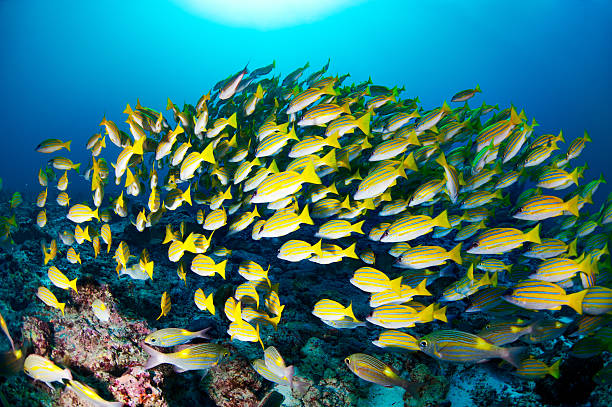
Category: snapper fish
[325,159]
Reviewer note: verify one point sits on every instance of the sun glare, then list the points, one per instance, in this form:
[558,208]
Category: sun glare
[265,14]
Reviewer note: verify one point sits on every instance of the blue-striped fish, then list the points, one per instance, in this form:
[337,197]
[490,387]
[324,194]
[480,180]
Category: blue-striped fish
[50,299]
[322,114]
[421,257]
[204,266]
[82,213]
[544,206]
[283,184]
[332,310]
[457,346]
[558,268]
[169,337]
[551,248]
[297,250]
[410,227]
[41,368]
[252,271]
[331,253]
[497,132]
[371,280]
[190,357]
[531,368]
[284,222]
[373,370]
[392,148]
[308,97]
[502,240]
[60,280]
[336,229]
[204,302]
[597,301]
[393,339]
[166,304]
[539,295]
[89,395]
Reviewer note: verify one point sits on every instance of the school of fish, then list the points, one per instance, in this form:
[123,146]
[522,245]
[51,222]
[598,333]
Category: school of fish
[474,197]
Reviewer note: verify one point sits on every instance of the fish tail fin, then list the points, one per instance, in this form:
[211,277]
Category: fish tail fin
[316,248]
[259,93]
[553,370]
[348,311]
[346,108]
[207,155]
[514,356]
[441,160]
[332,140]
[329,89]
[574,176]
[189,244]
[187,195]
[305,216]
[155,357]
[220,268]
[421,288]
[410,163]
[455,254]
[232,120]
[533,235]
[426,314]
[95,214]
[333,189]
[413,139]
[259,337]
[228,194]
[309,174]
[329,159]
[396,285]
[350,251]
[587,137]
[442,220]
[572,205]
[440,314]
[72,284]
[61,306]
[274,321]
[477,89]
[137,146]
[400,171]
[363,123]
[67,145]
[148,267]
[357,227]
[493,280]
[76,167]
[208,303]
[571,249]
[575,300]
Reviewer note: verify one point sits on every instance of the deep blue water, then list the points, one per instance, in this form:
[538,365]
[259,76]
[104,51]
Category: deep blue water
[66,63]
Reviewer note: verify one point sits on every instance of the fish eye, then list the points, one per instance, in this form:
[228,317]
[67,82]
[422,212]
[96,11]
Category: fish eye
[347,361]
[423,344]
[153,340]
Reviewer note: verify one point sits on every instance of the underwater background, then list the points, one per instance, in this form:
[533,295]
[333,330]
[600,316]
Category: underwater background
[66,65]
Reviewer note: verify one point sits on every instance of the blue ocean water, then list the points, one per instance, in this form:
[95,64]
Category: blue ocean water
[67,64]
